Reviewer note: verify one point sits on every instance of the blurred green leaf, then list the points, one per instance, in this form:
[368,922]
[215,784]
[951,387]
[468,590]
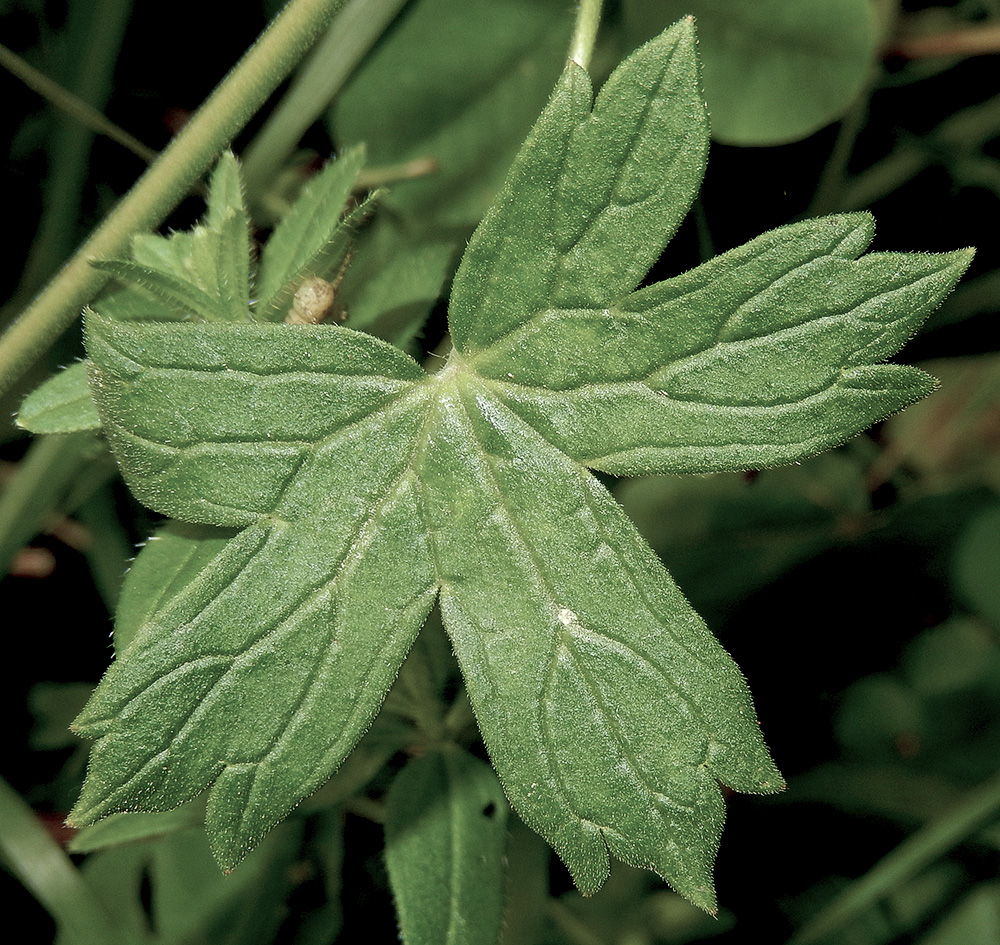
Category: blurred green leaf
[54,706]
[57,473]
[976,565]
[34,857]
[975,920]
[459,82]
[955,655]
[880,719]
[938,713]
[724,536]
[950,439]
[445,832]
[190,901]
[774,70]
[394,281]
[129,827]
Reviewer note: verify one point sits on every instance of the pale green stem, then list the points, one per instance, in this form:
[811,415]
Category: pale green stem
[588,18]
[94,32]
[72,105]
[905,861]
[321,77]
[264,66]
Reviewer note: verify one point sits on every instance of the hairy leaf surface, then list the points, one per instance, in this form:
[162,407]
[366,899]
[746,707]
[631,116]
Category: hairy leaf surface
[362,489]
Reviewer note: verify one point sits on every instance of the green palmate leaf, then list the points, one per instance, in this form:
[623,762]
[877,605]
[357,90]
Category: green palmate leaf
[313,237]
[363,488]
[446,829]
[592,199]
[61,405]
[608,708]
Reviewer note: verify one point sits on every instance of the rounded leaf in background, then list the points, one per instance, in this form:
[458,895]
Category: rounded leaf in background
[774,71]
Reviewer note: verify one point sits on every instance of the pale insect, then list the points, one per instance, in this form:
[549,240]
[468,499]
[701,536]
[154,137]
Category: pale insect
[315,299]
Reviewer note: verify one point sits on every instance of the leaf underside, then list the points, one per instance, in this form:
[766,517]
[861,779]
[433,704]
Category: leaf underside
[364,489]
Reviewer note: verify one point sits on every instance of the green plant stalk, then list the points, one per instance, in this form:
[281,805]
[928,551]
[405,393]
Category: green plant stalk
[47,872]
[905,861]
[74,106]
[321,77]
[588,19]
[96,32]
[245,89]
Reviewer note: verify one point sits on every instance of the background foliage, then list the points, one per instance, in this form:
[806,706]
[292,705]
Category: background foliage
[858,591]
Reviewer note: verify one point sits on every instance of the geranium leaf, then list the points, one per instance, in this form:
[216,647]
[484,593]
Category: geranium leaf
[361,488]
[608,708]
[592,198]
[169,561]
[276,655]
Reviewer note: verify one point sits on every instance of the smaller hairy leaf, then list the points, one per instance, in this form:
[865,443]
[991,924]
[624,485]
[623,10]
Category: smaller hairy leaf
[445,832]
[312,238]
[203,273]
[129,828]
[61,405]
[187,299]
